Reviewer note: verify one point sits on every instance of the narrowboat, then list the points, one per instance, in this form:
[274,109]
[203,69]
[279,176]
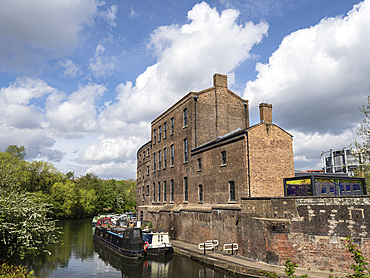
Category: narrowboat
[127,243]
[157,243]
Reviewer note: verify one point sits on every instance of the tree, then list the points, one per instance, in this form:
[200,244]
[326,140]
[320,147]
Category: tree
[41,176]
[362,144]
[24,226]
[14,150]
[12,172]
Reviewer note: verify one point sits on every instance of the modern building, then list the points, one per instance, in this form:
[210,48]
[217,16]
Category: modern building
[323,184]
[339,161]
[203,151]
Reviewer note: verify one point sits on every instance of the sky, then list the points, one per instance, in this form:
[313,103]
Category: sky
[81,80]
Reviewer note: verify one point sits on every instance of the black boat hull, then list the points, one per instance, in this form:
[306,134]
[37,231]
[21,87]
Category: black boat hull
[159,251]
[115,243]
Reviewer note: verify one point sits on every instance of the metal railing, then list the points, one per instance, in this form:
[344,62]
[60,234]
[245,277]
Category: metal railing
[208,245]
[233,247]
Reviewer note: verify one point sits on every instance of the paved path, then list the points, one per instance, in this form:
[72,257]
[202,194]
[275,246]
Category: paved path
[239,264]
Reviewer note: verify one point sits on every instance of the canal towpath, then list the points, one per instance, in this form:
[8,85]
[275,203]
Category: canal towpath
[239,264]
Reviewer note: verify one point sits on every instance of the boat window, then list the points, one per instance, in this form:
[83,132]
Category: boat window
[148,238]
[136,233]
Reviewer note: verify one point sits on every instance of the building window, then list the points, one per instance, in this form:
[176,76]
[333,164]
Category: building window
[164,192]
[147,170]
[154,161]
[185,117]
[172,190]
[199,164]
[153,192]
[159,191]
[143,155]
[185,149]
[200,192]
[165,131]
[159,134]
[148,152]
[172,155]
[141,216]
[147,190]
[159,160]
[232,191]
[165,158]
[185,189]
[154,136]
[223,158]
[172,125]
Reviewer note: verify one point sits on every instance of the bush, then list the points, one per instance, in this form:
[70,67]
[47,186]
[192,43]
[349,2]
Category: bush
[15,271]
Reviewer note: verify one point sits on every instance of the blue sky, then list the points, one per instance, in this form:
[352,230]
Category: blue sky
[80,80]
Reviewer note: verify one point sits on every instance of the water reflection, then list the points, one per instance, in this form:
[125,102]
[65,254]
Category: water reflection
[148,267]
[79,257]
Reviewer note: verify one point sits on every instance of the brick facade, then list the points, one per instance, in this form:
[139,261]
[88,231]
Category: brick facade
[225,182]
[203,151]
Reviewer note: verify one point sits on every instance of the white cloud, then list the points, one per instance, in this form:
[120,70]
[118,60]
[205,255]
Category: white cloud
[133,13]
[116,149]
[75,114]
[113,170]
[307,147]
[318,76]
[101,66]
[188,56]
[70,69]
[23,90]
[110,15]
[33,31]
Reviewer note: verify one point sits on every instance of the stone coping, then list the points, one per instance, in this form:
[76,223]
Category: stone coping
[193,208]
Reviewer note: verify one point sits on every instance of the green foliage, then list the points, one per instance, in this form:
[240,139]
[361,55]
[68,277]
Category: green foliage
[12,172]
[290,270]
[14,271]
[41,176]
[362,144]
[268,274]
[24,227]
[15,151]
[71,197]
[360,263]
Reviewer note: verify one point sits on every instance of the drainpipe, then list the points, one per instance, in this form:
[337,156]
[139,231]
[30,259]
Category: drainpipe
[195,120]
[249,171]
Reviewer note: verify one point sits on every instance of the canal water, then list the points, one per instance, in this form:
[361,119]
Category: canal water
[78,256]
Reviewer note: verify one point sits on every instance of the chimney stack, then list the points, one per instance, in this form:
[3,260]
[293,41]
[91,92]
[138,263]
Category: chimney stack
[219,80]
[266,113]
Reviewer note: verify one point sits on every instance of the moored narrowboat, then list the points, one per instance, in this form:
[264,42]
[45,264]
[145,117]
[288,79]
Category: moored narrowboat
[124,242]
[157,243]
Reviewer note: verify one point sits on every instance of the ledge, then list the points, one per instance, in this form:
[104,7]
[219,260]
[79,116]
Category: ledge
[196,209]
[277,220]
[227,206]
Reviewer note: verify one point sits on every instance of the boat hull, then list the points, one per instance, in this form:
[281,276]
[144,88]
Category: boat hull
[159,251]
[114,243]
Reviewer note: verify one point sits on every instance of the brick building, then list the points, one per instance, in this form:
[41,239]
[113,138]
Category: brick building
[203,151]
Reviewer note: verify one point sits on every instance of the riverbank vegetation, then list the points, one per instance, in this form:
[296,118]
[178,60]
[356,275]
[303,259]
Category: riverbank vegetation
[70,197]
[33,195]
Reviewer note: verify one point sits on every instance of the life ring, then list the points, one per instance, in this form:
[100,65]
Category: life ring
[146,244]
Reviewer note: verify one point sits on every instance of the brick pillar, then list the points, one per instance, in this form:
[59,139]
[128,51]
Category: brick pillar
[219,80]
[266,113]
